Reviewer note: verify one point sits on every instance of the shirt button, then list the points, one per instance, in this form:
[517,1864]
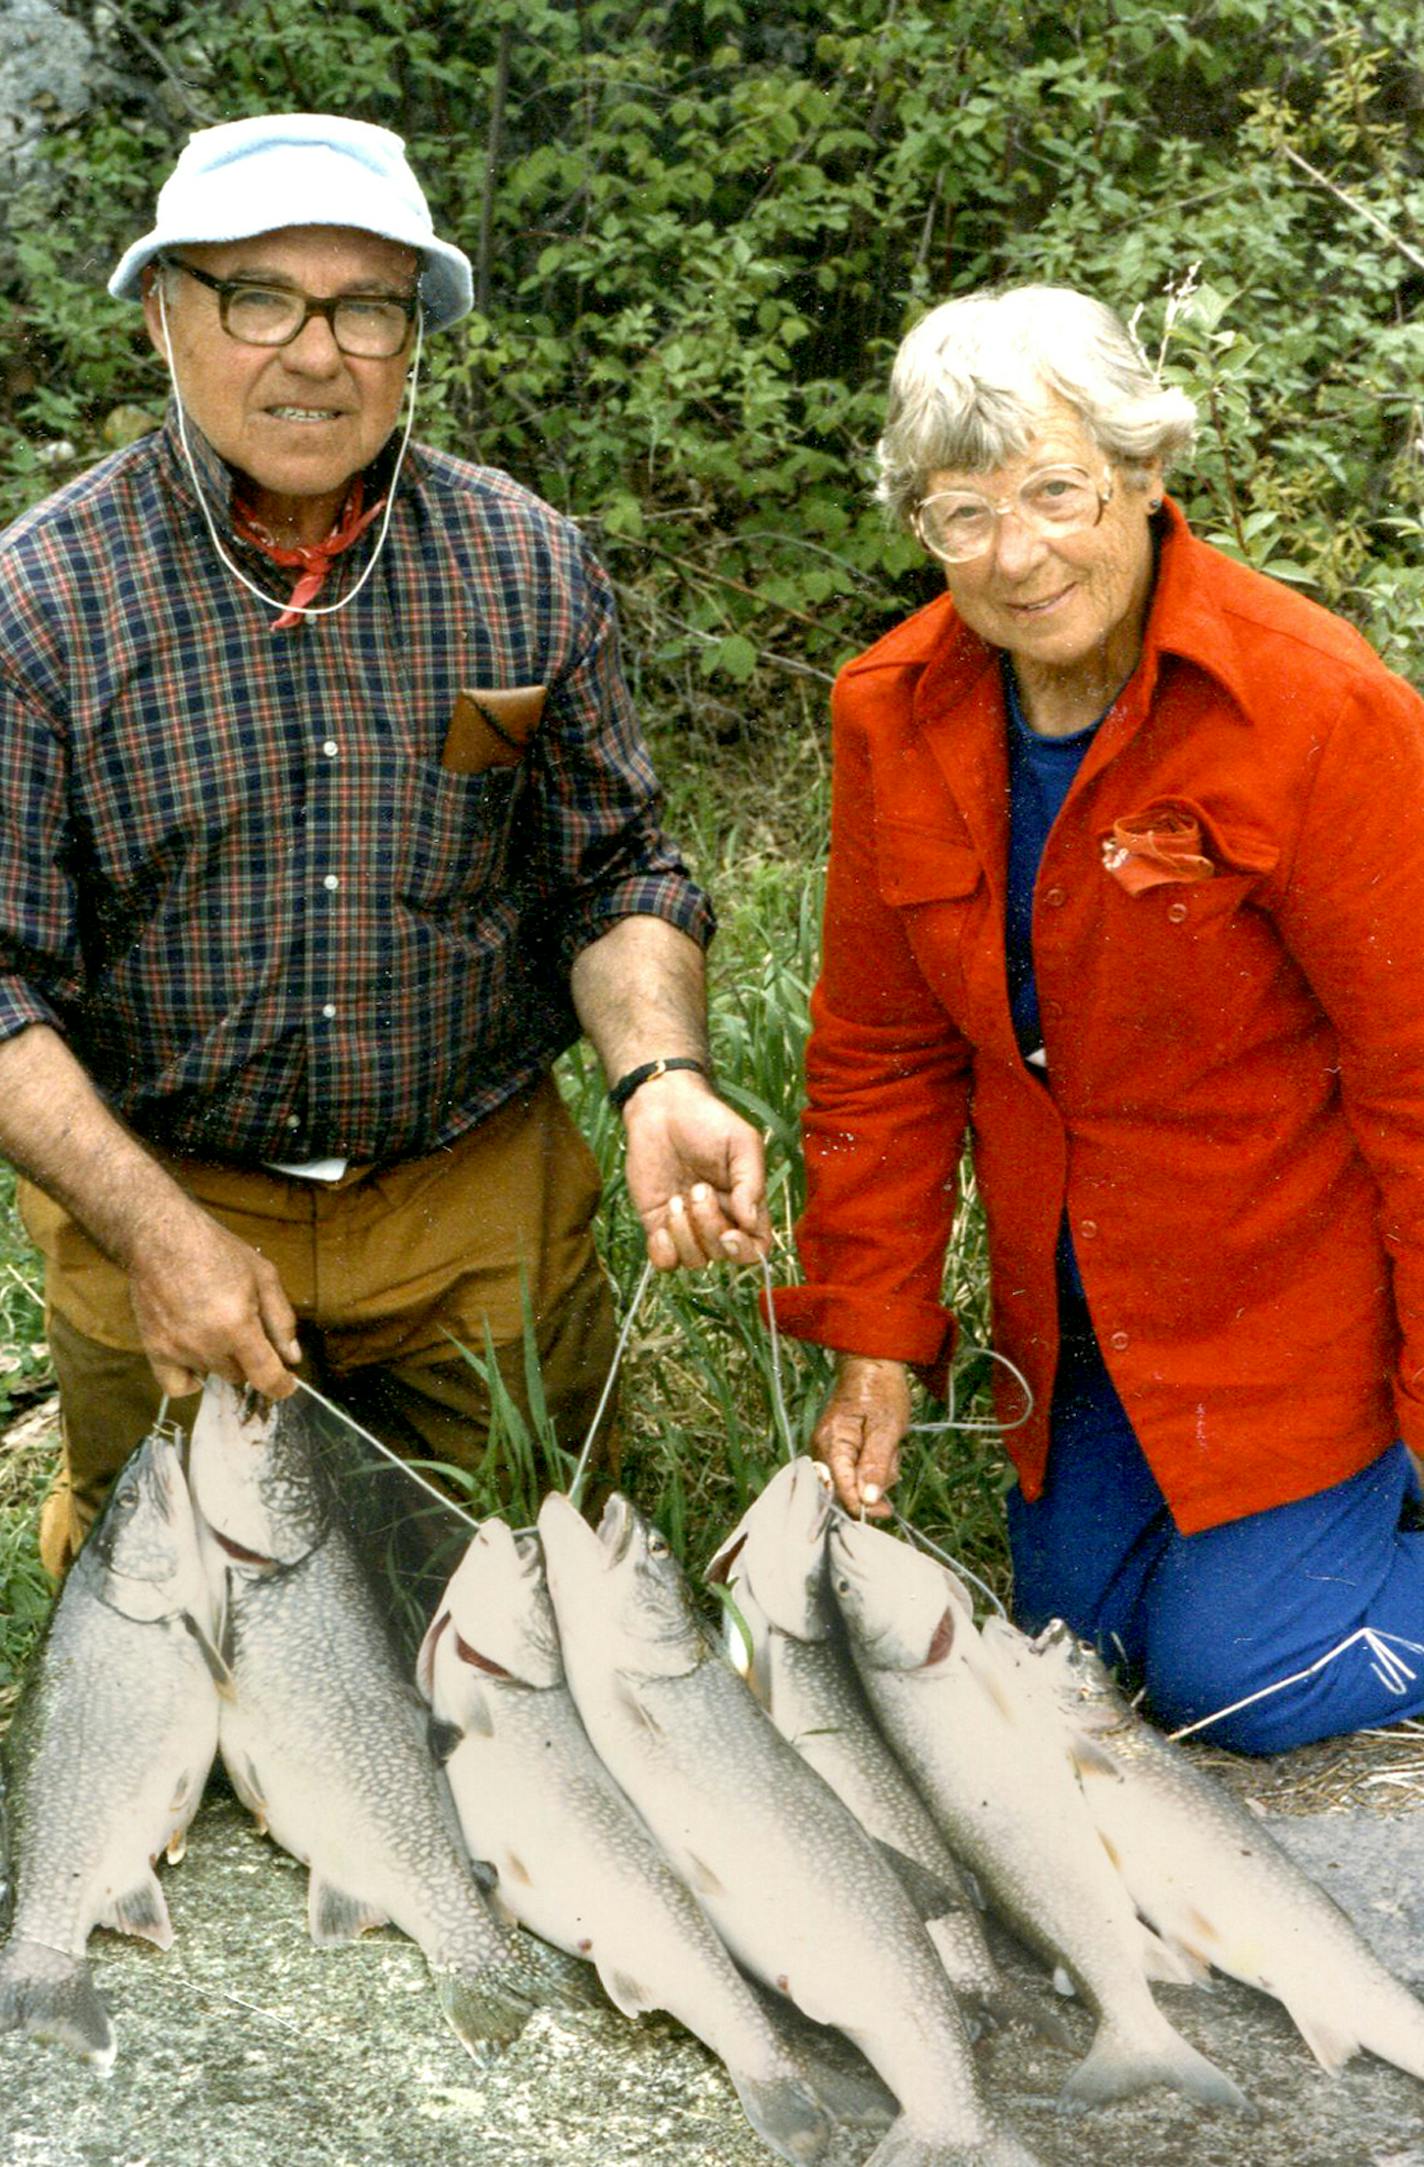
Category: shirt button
[1118,1341]
[329,1010]
[1055,898]
[330,748]
[1087,1228]
[1051,1010]
[294,1121]
[1176,912]
[332,882]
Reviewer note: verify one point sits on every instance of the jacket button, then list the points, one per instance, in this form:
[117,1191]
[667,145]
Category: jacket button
[1118,1341]
[1055,898]
[1177,912]
[1087,1228]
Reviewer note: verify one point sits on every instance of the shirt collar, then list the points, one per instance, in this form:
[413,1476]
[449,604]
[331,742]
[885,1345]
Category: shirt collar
[215,476]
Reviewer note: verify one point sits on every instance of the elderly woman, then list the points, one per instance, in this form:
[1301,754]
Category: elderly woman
[1127,884]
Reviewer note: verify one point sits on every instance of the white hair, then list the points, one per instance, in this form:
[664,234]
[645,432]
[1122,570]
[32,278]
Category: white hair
[969,384]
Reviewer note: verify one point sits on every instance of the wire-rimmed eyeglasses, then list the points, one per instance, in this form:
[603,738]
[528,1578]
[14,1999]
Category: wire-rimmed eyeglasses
[957,525]
[374,327]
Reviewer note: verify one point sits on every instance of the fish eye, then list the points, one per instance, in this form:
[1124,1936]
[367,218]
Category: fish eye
[658,1545]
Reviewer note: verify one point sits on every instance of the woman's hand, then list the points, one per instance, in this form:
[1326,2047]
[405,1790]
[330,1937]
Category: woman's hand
[858,1435]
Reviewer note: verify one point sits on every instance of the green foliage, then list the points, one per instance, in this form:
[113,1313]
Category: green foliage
[712,220]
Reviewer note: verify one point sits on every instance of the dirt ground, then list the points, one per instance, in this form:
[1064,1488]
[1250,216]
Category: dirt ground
[245,2045]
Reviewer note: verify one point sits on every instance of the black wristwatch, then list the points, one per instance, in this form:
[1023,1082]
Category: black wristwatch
[623,1090]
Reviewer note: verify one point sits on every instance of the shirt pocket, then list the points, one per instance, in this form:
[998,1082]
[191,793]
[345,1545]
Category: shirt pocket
[937,883]
[453,843]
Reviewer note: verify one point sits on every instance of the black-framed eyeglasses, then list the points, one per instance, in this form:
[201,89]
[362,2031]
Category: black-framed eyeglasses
[374,327]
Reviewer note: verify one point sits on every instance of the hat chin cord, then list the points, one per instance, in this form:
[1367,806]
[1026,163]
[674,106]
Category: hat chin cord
[325,609]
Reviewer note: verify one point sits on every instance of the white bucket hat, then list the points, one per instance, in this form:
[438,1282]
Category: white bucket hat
[300,169]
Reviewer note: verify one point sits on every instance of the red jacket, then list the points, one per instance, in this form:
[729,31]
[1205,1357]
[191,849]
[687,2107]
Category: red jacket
[1235,1118]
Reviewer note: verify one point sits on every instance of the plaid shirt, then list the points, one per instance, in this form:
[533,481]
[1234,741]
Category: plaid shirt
[234,872]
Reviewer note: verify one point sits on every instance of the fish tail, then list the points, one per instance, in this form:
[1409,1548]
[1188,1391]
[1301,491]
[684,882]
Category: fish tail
[1395,2035]
[1120,2063]
[1005,2004]
[785,2114]
[907,2146]
[486,2009]
[51,1995]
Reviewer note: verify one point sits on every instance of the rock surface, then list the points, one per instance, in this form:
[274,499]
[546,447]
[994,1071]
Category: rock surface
[245,2045]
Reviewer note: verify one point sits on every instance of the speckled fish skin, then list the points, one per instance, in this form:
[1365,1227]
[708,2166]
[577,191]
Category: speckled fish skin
[108,1753]
[794,1887]
[326,1738]
[1001,1789]
[775,1567]
[574,1862]
[1209,1876]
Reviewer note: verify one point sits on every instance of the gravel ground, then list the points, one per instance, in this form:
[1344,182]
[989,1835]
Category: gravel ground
[245,2045]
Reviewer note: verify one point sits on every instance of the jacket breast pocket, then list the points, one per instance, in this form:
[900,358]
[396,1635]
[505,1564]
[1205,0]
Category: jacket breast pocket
[937,883]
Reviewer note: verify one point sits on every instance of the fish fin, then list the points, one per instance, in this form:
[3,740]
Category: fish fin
[479,1715]
[1117,2065]
[625,1992]
[932,1896]
[489,2008]
[141,1911]
[442,1737]
[1091,1759]
[244,1780]
[1332,2044]
[335,1918]
[635,1706]
[219,1669]
[516,1869]
[425,1661]
[1170,1961]
[560,1977]
[700,1877]
[51,1995]
[786,2115]
[1063,1982]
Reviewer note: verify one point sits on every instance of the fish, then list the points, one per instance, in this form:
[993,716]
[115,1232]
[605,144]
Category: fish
[1211,1878]
[109,1753]
[774,1566]
[574,1862]
[794,1887]
[326,1738]
[997,1782]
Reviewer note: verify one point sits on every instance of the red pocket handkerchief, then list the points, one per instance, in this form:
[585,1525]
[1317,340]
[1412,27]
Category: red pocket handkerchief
[1161,843]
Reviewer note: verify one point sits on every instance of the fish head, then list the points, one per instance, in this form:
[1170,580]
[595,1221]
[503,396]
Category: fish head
[255,1467]
[499,1620]
[777,1552]
[1079,1677]
[902,1610]
[145,1544]
[622,1582]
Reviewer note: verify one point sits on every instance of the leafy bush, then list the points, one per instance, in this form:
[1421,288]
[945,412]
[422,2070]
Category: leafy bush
[709,225]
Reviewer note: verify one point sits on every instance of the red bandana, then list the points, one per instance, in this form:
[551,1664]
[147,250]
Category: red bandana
[312,559]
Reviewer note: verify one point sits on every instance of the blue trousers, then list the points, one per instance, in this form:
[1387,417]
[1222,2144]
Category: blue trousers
[1206,1620]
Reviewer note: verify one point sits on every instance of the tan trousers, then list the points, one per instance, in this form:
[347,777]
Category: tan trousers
[390,1270]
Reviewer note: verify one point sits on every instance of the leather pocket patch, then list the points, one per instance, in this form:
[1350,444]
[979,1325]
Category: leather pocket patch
[491,728]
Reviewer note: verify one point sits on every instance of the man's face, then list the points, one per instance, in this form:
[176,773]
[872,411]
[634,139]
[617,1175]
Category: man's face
[299,420]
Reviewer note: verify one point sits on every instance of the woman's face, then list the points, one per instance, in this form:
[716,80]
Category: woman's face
[1056,604]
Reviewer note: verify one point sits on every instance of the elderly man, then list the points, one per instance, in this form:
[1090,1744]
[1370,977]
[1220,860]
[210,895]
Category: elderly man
[327,827]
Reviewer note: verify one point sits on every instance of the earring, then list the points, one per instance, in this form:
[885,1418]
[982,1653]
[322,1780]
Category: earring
[1154,504]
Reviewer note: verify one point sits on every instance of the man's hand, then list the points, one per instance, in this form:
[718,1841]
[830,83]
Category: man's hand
[696,1173]
[858,1436]
[204,1301]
